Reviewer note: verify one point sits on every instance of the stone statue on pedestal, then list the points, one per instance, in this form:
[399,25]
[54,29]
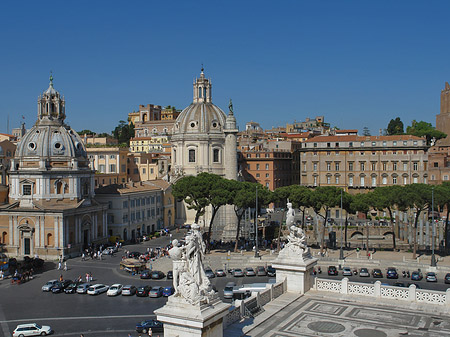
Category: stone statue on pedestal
[189,278]
[290,215]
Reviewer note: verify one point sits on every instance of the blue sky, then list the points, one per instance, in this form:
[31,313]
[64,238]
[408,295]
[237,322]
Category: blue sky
[358,63]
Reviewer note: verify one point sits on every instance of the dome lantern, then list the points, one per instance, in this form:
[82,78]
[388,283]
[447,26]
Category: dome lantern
[51,107]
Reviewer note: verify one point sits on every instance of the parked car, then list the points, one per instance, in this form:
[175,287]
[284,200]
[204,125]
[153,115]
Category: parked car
[261,271]
[376,273]
[48,286]
[146,274]
[332,271]
[128,290]
[249,272]
[391,273]
[271,271]
[60,286]
[363,272]
[237,272]
[71,288]
[447,278]
[220,273]
[32,329]
[153,324]
[157,275]
[83,288]
[209,273]
[143,291]
[170,275]
[168,291]
[416,276]
[156,292]
[431,277]
[228,290]
[114,290]
[347,271]
[97,289]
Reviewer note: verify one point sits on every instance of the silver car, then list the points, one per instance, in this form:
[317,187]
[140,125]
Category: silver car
[83,288]
[261,271]
[238,272]
[228,290]
[249,272]
[97,289]
[347,271]
[48,286]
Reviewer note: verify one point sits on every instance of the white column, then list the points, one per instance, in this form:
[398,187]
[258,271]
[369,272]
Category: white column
[66,232]
[37,228]
[11,231]
[16,231]
[42,226]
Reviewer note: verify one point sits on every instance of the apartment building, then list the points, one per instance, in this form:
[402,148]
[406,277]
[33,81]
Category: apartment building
[352,161]
[109,163]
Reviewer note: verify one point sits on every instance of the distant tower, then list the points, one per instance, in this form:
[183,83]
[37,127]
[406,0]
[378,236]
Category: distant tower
[443,119]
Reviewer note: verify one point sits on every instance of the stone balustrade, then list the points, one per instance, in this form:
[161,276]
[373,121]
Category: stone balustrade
[257,299]
[412,293]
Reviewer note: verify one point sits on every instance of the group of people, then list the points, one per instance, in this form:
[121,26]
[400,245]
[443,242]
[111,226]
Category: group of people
[19,277]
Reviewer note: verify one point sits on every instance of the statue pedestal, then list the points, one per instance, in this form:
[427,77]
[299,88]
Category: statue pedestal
[182,319]
[297,272]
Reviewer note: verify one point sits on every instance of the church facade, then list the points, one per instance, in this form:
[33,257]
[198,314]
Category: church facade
[204,140]
[51,211]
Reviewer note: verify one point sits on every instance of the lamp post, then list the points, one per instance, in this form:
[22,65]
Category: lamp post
[433,257]
[256,224]
[341,252]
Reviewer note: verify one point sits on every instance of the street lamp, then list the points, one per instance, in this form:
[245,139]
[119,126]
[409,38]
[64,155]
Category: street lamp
[433,257]
[256,224]
[341,252]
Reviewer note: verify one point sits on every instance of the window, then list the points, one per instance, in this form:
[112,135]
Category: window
[267,175]
[394,166]
[123,168]
[192,156]
[405,166]
[315,144]
[257,166]
[350,181]
[315,181]
[268,185]
[362,143]
[101,168]
[384,180]
[136,171]
[405,143]
[350,144]
[374,166]
[374,143]
[374,181]
[415,142]
[101,156]
[336,166]
[361,181]
[350,166]
[113,156]
[133,203]
[216,156]
[138,202]
[144,170]
[384,166]
[362,166]
[394,143]
[314,166]
[337,179]
[394,180]
[267,166]
[337,144]
[328,166]
[328,144]
[151,170]
[328,153]
[436,164]
[328,180]
[112,168]
[405,180]
[445,177]
[315,153]
[415,166]
[415,180]
[384,143]
[26,189]
[257,175]
[125,204]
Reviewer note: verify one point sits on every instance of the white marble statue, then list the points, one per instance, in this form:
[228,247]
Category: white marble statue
[296,246]
[189,278]
[290,215]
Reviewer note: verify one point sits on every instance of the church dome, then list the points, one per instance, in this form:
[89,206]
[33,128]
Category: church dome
[202,116]
[50,137]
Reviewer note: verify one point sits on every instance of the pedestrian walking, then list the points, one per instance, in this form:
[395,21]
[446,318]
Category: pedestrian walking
[150,332]
[59,265]
[83,257]
[65,266]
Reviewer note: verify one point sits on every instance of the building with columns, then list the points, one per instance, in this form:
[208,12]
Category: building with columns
[51,210]
[204,139]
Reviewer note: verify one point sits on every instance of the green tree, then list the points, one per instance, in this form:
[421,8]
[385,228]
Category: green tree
[243,195]
[361,203]
[322,200]
[424,129]
[347,200]
[395,127]
[281,196]
[86,132]
[124,132]
[388,198]
[418,198]
[366,131]
[193,193]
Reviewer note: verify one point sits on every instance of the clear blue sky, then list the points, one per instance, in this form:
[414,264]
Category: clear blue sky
[358,63]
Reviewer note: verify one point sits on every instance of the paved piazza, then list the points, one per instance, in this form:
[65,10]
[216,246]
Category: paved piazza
[311,316]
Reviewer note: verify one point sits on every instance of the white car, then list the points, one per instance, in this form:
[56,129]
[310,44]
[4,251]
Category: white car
[48,286]
[97,289]
[114,290]
[32,329]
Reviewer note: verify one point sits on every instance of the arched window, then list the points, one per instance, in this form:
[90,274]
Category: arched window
[192,156]
[5,238]
[216,154]
[50,239]
[58,187]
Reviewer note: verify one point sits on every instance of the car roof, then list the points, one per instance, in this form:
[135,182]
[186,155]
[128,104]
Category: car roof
[25,325]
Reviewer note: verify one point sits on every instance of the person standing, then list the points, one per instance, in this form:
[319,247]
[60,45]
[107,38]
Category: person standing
[65,266]
[150,332]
